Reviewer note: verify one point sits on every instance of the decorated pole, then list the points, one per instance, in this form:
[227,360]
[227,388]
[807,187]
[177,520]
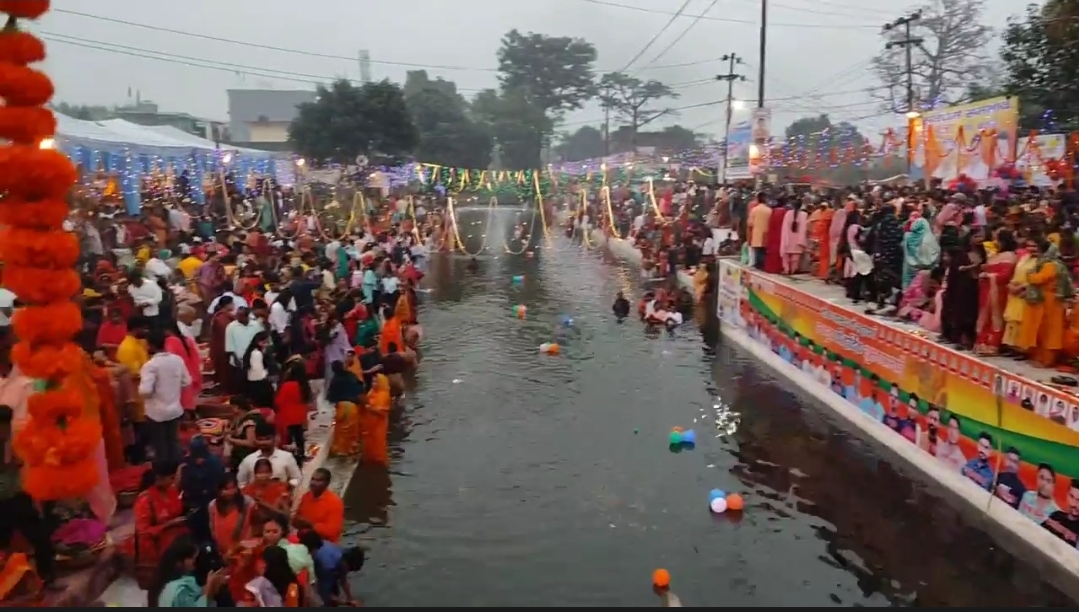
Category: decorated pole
[58,438]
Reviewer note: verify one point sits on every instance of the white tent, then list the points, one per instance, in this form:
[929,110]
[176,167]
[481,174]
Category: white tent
[118,135]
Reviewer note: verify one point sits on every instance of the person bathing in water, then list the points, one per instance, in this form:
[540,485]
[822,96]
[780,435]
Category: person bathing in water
[620,307]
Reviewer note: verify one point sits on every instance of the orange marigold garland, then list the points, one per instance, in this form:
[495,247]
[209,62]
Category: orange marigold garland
[59,439]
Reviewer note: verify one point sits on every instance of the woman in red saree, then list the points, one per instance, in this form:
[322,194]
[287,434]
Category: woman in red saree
[218,355]
[159,519]
[773,256]
[993,295]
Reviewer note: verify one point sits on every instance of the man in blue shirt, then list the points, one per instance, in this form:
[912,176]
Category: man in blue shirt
[978,468]
[332,567]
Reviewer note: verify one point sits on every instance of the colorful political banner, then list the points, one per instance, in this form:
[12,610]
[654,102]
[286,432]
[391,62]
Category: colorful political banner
[956,145]
[1013,436]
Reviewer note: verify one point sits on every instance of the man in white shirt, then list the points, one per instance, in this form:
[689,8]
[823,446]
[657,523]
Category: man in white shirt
[282,462]
[146,294]
[161,381]
[709,248]
[239,334]
[157,268]
[237,302]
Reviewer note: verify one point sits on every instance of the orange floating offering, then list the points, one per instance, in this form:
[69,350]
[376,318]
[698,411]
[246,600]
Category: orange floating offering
[661,578]
[735,502]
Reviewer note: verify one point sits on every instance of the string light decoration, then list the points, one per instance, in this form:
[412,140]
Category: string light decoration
[582,208]
[459,244]
[59,439]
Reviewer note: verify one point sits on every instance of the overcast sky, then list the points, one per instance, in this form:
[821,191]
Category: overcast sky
[818,51]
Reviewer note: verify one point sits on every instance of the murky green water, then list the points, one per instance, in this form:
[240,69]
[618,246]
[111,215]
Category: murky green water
[520,479]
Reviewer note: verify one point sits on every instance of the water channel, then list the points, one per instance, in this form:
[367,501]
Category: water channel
[520,479]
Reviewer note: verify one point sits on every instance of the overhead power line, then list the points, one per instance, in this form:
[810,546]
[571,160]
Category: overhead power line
[351,60]
[222,66]
[831,26]
[656,36]
[674,42]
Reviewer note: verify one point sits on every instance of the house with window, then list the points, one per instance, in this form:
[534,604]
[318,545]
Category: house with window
[259,118]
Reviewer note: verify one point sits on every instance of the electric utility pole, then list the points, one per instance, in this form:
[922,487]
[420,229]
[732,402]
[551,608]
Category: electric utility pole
[908,42]
[763,49]
[732,60]
[606,123]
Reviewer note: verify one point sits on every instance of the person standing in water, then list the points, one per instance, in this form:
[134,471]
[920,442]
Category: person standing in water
[620,307]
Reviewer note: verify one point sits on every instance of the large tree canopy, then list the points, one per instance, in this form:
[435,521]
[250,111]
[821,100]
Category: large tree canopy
[518,126]
[447,134]
[630,99]
[952,54]
[1041,60]
[585,143]
[552,72]
[346,121]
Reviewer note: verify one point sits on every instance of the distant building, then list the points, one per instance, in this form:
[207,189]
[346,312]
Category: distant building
[145,112]
[259,118]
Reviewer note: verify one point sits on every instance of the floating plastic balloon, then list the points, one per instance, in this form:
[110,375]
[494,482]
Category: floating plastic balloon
[661,578]
[550,348]
[518,279]
[735,503]
[718,505]
[685,439]
[567,321]
[520,309]
[715,494]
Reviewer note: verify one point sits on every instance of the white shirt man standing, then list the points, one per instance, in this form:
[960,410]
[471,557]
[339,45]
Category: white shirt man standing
[161,381]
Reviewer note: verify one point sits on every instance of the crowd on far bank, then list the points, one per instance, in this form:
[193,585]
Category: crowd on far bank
[209,348]
[989,271]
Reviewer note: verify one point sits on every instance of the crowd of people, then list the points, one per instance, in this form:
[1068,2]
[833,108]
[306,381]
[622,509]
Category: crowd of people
[208,348]
[990,272]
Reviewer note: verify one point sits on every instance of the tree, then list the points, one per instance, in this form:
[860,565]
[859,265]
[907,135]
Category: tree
[518,126]
[552,72]
[447,134]
[585,143]
[84,112]
[676,138]
[952,53]
[346,121]
[629,97]
[1041,66]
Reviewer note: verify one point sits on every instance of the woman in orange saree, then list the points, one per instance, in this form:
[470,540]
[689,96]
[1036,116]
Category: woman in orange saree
[375,422]
[822,236]
[391,331]
[993,295]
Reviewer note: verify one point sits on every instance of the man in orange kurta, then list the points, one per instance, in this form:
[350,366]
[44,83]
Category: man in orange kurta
[1042,328]
[321,509]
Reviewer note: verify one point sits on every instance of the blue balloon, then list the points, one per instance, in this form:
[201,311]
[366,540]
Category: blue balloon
[716,494]
[567,321]
[518,279]
[688,437]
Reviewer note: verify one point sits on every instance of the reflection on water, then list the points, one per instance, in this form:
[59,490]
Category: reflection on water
[521,479]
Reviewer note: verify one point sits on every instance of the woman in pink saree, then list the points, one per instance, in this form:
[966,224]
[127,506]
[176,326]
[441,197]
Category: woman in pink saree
[993,295]
[794,238]
[919,298]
